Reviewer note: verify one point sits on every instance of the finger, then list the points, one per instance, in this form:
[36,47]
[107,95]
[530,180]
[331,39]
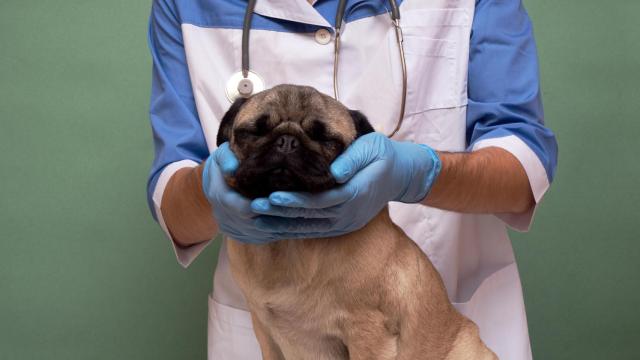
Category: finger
[323,200]
[248,236]
[237,205]
[362,152]
[274,224]
[231,200]
[226,159]
[264,207]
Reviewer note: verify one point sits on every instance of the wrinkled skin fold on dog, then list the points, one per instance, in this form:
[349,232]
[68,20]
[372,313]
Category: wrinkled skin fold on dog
[370,294]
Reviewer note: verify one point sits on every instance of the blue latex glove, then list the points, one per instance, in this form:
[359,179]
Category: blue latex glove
[373,171]
[232,211]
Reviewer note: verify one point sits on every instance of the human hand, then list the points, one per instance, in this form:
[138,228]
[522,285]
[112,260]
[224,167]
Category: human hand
[373,171]
[235,213]
[232,211]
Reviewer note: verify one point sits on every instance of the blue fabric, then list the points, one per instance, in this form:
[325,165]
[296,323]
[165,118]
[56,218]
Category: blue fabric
[504,84]
[230,14]
[177,133]
[355,9]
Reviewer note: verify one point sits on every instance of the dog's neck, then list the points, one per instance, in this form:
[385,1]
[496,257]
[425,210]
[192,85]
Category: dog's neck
[300,260]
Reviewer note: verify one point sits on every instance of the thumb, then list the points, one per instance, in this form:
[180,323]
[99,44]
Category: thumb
[360,154]
[226,159]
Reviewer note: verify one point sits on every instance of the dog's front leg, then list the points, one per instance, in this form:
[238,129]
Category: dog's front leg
[270,350]
[370,338]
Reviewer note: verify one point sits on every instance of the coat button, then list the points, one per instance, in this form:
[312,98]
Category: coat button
[323,36]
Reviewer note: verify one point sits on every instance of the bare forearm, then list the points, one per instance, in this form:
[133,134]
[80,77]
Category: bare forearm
[186,211]
[489,180]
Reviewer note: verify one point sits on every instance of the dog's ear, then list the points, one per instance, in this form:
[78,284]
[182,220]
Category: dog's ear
[226,125]
[361,123]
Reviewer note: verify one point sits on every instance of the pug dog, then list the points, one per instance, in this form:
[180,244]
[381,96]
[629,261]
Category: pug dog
[369,294]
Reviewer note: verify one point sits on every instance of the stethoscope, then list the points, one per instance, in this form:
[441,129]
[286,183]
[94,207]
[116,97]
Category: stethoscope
[246,82]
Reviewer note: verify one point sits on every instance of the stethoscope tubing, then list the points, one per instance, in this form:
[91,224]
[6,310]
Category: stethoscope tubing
[405,80]
[246,30]
[395,17]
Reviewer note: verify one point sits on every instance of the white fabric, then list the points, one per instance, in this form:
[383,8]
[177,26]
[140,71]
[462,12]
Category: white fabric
[472,252]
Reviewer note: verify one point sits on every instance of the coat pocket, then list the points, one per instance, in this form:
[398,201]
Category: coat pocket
[431,69]
[435,57]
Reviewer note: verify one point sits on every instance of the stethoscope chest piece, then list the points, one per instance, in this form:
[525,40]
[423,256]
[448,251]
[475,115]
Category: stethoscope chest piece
[239,86]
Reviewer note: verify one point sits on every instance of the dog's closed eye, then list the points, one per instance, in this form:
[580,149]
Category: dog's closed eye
[258,128]
[318,131]
[261,125]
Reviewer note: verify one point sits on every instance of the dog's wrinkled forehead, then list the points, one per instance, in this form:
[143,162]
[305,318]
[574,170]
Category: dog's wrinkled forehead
[298,104]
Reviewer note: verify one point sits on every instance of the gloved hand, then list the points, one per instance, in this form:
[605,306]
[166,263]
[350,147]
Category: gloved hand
[373,171]
[233,211]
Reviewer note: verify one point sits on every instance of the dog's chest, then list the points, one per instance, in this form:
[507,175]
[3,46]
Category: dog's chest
[308,293]
[309,308]
[297,293]
[303,322]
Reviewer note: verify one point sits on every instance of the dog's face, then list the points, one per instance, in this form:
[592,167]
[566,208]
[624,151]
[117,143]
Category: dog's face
[286,139]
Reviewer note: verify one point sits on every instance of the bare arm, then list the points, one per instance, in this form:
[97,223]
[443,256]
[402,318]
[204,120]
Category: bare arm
[186,211]
[489,180]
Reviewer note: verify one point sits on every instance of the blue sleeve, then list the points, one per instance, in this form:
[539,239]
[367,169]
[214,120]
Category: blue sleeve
[177,133]
[504,83]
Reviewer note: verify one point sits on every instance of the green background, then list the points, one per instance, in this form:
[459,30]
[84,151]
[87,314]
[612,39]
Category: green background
[85,273]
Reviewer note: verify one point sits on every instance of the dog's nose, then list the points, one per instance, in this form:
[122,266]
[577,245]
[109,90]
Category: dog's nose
[287,144]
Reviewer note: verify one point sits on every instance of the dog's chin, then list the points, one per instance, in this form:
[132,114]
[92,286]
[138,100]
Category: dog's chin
[254,183]
[263,174]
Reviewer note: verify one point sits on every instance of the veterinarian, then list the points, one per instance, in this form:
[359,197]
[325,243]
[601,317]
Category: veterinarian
[481,158]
